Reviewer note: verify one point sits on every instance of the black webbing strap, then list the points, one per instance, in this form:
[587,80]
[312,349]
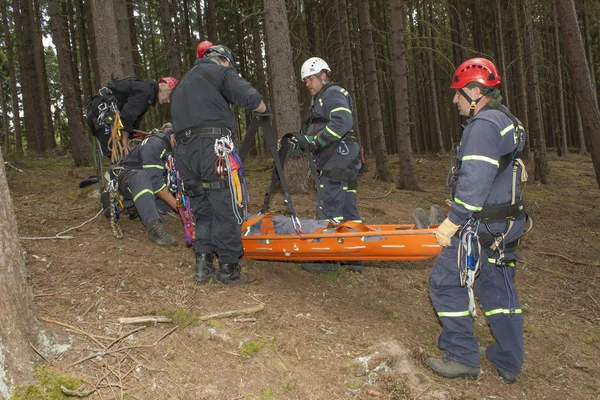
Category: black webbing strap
[204,186]
[248,142]
[265,122]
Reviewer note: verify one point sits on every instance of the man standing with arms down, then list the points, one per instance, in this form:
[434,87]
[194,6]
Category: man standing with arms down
[486,211]
[202,115]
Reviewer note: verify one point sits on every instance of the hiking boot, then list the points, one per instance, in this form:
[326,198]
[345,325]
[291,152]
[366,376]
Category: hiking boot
[205,271]
[507,377]
[421,219]
[354,266]
[452,369]
[436,216]
[157,233]
[321,267]
[230,274]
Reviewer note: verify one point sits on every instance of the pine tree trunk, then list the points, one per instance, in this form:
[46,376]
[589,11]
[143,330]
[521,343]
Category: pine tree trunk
[10,57]
[137,58]
[500,55]
[28,79]
[211,20]
[47,134]
[407,178]
[125,52]
[83,49]
[361,99]
[581,78]
[170,45]
[4,109]
[189,50]
[347,63]
[199,24]
[562,144]
[17,323]
[282,79]
[81,148]
[373,98]
[520,76]
[107,55]
[588,44]
[435,114]
[536,128]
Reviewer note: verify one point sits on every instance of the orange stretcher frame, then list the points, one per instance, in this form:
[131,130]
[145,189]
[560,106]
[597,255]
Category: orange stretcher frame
[344,242]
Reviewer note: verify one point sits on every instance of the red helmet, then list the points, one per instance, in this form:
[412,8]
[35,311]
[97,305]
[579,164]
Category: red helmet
[202,47]
[169,80]
[477,69]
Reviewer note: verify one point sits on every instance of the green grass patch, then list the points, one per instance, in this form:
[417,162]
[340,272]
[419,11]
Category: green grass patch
[48,387]
[183,317]
[249,348]
[592,337]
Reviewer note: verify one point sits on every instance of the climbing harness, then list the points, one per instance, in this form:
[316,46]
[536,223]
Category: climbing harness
[229,166]
[184,207]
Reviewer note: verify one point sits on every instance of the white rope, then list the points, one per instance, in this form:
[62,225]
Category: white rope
[59,235]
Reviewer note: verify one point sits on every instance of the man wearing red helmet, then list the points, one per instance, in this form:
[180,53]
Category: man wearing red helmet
[202,47]
[481,233]
[134,98]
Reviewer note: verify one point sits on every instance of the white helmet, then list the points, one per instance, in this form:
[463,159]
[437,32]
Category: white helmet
[312,66]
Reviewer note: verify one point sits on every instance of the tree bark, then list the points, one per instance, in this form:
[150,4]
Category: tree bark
[105,28]
[211,20]
[82,39]
[17,323]
[407,178]
[81,148]
[10,57]
[361,99]
[347,60]
[122,22]
[137,58]
[282,82]
[373,98]
[561,146]
[435,113]
[581,78]
[537,125]
[170,45]
[588,44]
[500,55]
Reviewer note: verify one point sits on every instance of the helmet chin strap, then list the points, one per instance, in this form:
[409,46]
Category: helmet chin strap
[473,105]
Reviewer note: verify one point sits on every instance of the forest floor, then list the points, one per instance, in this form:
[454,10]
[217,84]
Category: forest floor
[337,336]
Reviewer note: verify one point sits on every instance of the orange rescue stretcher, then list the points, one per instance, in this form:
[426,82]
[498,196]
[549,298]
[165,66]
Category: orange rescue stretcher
[347,241]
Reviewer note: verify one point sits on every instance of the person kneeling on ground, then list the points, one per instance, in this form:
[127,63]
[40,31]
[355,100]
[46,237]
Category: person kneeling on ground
[143,178]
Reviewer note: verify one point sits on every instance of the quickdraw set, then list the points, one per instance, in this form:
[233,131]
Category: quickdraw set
[229,166]
[108,116]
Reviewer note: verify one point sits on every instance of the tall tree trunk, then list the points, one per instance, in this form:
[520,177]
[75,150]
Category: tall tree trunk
[28,78]
[211,20]
[477,20]
[170,45]
[137,58]
[588,44]
[346,57]
[97,82]
[580,133]
[105,27]
[39,60]
[361,99]
[581,78]
[83,49]
[199,24]
[282,83]
[17,322]
[189,50]
[520,75]
[81,148]
[435,113]
[4,109]
[500,55]
[407,178]
[122,22]
[457,31]
[373,98]
[562,144]
[537,125]
[10,57]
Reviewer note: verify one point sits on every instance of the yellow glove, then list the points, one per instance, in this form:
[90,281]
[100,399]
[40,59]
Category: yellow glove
[445,231]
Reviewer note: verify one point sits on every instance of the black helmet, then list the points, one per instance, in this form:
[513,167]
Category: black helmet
[221,51]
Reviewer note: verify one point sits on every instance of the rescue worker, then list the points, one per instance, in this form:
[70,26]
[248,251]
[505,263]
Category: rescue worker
[335,149]
[485,209]
[202,47]
[143,177]
[201,115]
[134,98]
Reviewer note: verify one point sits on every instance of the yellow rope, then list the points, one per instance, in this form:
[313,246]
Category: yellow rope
[114,142]
[237,186]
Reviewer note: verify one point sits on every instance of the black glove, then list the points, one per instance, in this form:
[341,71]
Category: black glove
[314,147]
[265,114]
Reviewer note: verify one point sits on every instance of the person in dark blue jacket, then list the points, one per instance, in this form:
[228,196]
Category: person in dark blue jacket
[335,147]
[142,179]
[481,233]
